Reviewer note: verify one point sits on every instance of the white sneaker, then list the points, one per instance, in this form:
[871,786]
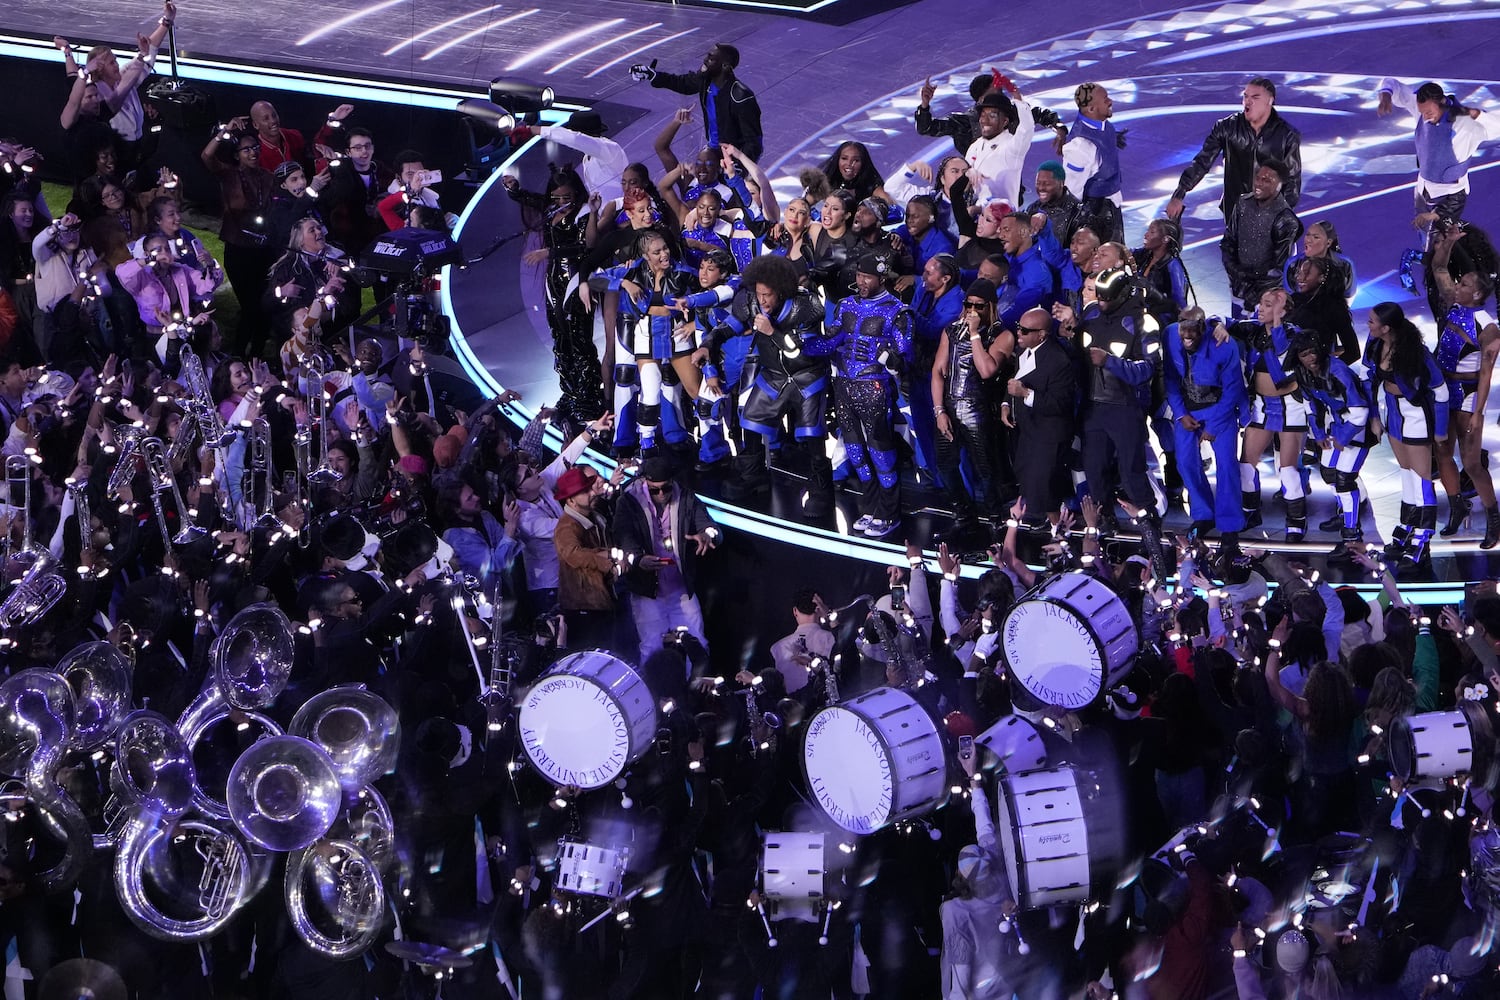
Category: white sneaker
[862,525]
[879,528]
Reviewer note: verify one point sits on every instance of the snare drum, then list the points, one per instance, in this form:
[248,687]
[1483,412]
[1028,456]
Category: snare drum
[875,760]
[791,866]
[1068,640]
[1058,846]
[1437,745]
[1016,742]
[587,870]
[586,719]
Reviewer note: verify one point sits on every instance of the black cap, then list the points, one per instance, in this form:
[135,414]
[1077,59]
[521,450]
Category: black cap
[658,469]
[982,288]
[874,263]
[587,122]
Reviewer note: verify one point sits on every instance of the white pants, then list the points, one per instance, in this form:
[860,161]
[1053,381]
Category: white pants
[655,615]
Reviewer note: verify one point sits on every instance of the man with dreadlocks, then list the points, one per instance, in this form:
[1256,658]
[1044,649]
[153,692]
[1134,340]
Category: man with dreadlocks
[1092,156]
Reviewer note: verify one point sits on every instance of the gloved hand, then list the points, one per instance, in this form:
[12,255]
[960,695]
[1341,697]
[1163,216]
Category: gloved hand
[642,72]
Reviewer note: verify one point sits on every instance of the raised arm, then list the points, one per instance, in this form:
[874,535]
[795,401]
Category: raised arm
[665,138]
[768,205]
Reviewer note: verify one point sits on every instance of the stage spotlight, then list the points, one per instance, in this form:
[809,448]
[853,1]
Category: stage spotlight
[522,98]
[488,114]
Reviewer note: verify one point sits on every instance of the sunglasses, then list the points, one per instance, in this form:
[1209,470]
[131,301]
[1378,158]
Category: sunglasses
[975,305]
[1031,329]
[659,489]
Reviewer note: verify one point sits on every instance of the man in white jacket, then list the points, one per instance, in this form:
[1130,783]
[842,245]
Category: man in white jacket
[998,156]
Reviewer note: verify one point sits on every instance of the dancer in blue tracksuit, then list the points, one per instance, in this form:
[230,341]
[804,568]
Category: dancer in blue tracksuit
[1340,419]
[869,333]
[1278,411]
[1205,388]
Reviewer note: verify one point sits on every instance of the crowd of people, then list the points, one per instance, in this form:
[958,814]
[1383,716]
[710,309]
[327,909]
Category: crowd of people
[885,309]
[1291,784]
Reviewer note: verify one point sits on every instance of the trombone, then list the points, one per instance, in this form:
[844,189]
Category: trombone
[323,474]
[159,469]
[216,433]
[262,488]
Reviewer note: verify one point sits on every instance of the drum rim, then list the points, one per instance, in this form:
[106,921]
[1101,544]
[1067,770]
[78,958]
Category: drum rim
[895,815]
[562,666]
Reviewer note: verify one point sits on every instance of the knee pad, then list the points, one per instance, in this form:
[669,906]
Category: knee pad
[650,376]
[626,375]
[648,416]
[710,408]
[1291,482]
[1346,482]
[669,374]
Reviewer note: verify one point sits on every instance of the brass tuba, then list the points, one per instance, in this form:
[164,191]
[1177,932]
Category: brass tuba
[36,726]
[154,771]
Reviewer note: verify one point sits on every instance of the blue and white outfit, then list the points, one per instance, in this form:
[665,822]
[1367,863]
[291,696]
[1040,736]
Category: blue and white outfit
[710,307]
[1416,413]
[1341,410]
[1459,354]
[1092,158]
[1444,149]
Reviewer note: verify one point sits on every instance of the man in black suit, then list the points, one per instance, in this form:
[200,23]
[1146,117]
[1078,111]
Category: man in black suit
[1042,407]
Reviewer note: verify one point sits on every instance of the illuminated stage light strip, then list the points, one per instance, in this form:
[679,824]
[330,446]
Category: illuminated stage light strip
[558,43]
[319,84]
[479,31]
[602,45]
[348,19]
[636,52]
[432,31]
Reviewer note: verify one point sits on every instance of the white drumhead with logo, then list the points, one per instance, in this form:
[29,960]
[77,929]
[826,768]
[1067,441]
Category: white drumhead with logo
[586,719]
[1068,640]
[875,760]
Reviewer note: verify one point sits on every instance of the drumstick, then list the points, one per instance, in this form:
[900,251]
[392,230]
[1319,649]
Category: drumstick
[609,909]
[760,908]
[827,916]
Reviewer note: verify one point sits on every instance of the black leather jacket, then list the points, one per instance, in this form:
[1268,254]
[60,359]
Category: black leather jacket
[1243,150]
[738,110]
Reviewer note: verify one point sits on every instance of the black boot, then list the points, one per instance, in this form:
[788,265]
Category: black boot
[1250,504]
[1296,519]
[1333,523]
[748,476]
[1344,551]
[819,502]
[1458,512]
[1491,528]
[1401,533]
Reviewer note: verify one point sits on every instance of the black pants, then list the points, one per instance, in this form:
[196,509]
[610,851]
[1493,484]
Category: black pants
[1114,454]
[1041,471]
[249,272]
[971,432]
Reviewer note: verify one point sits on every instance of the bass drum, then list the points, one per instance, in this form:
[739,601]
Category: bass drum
[1069,640]
[875,760]
[587,718]
[1435,746]
[1060,844]
[791,874]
